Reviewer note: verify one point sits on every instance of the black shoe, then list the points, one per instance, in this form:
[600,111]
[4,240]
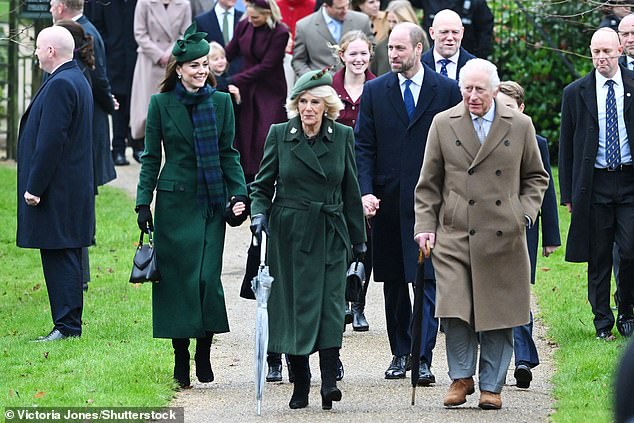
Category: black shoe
[359,322]
[119,159]
[328,363]
[625,324]
[54,335]
[523,376]
[181,362]
[204,372]
[348,318]
[397,367]
[136,155]
[340,371]
[275,373]
[425,376]
[301,387]
[605,335]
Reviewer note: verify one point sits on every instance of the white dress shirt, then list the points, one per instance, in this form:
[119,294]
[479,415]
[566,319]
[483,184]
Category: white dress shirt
[452,67]
[415,86]
[602,95]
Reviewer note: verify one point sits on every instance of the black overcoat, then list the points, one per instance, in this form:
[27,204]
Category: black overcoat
[578,144]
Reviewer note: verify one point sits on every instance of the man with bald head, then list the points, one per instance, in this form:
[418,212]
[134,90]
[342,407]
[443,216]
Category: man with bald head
[389,155]
[446,55]
[56,206]
[626,35]
[596,179]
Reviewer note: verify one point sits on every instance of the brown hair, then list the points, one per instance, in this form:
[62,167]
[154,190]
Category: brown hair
[169,80]
[513,90]
[84,50]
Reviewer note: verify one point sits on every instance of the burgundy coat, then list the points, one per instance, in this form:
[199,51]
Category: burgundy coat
[262,87]
[348,116]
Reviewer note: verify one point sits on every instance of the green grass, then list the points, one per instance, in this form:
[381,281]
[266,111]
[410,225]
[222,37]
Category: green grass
[116,362]
[583,383]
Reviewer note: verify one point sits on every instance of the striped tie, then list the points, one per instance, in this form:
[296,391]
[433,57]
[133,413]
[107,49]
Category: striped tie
[443,66]
[612,148]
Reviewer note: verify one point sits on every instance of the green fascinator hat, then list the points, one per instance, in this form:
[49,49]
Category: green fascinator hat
[192,46]
[310,80]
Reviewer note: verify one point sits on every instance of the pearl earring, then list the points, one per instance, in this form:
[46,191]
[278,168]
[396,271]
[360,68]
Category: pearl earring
[178,75]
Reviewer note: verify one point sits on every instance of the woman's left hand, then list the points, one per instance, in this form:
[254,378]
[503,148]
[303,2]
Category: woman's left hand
[238,208]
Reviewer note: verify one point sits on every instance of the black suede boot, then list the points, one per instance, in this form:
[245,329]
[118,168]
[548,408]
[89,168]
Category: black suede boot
[274,361]
[202,359]
[328,359]
[181,362]
[359,322]
[301,387]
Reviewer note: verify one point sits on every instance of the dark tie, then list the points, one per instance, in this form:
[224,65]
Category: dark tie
[443,66]
[408,99]
[612,148]
[225,27]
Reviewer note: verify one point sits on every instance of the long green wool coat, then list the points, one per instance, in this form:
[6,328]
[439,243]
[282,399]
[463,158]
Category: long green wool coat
[314,218]
[189,299]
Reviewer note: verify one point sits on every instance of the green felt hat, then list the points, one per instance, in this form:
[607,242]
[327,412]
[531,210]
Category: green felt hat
[310,80]
[192,46]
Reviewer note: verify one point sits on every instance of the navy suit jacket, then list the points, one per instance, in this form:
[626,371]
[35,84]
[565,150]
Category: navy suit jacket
[464,56]
[208,22]
[389,151]
[55,164]
[548,214]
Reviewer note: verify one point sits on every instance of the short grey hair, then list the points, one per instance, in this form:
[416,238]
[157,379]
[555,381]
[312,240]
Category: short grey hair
[326,93]
[483,65]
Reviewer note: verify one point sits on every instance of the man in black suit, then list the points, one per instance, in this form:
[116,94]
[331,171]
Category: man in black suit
[219,24]
[395,114]
[596,179]
[626,35]
[114,20]
[56,203]
[446,55]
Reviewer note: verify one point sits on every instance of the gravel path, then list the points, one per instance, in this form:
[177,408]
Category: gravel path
[367,396]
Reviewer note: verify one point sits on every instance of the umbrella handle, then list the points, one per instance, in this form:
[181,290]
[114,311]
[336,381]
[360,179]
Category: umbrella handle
[263,249]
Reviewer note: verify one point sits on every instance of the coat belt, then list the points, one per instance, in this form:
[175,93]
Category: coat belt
[324,214]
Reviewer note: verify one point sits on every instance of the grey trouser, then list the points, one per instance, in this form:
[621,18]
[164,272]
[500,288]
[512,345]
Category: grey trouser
[496,349]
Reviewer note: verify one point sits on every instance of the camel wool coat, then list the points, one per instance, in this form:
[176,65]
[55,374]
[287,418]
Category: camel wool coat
[156,28]
[475,198]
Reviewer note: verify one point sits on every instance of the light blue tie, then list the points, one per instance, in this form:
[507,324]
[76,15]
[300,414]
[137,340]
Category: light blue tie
[408,99]
[612,147]
[443,66]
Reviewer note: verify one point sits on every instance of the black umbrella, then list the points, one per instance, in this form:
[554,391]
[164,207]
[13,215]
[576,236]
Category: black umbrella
[417,319]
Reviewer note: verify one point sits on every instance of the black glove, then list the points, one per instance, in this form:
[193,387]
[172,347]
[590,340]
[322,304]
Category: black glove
[259,223]
[232,219]
[144,218]
[358,251]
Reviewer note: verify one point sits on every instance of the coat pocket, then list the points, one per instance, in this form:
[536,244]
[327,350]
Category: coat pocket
[449,218]
[165,185]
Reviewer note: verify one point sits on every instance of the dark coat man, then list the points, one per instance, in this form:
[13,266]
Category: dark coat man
[55,178]
[428,59]
[390,148]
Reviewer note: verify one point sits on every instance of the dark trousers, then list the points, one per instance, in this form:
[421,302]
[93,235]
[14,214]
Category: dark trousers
[611,220]
[398,317]
[121,124]
[523,345]
[63,276]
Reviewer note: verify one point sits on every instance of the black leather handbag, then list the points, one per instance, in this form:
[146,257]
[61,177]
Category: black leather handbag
[354,282]
[144,266]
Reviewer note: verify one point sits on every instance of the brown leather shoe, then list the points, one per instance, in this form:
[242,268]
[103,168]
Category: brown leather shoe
[458,391]
[490,401]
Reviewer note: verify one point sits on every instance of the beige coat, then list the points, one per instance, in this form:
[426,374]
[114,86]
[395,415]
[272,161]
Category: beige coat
[155,30]
[475,199]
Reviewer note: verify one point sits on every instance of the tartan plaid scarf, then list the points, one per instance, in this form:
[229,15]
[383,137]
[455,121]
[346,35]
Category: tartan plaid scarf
[210,180]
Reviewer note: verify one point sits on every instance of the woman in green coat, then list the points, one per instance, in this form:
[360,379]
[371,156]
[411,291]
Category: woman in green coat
[307,191]
[194,124]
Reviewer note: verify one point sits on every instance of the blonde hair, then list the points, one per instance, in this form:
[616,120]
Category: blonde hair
[324,92]
[403,11]
[349,37]
[215,47]
[274,15]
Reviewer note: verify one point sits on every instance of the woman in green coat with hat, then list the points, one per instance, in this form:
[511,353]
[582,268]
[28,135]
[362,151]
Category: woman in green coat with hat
[307,193]
[194,124]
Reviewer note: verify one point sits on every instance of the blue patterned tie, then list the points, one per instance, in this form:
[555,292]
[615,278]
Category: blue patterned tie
[408,99]
[443,68]
[612,148]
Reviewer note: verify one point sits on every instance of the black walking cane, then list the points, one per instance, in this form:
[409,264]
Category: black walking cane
[417,318]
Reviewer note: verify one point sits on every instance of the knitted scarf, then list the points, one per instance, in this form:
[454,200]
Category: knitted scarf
[210,180]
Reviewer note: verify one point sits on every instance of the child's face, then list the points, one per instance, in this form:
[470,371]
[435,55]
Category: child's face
[217,63]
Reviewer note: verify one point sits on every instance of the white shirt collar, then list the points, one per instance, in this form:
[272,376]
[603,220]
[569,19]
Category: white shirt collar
[416,79]
[438,57]
[601,80]
[488,116]
[328,18]
[220,10]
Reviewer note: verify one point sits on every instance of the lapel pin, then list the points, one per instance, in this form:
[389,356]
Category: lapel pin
[293,130]
[330,129]
[628,94]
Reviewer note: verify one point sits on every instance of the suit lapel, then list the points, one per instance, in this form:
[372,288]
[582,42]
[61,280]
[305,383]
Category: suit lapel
[589,95]
[180,118]
[628,87]
[302,150]
[426,95]
[500,127]
[396,98]
[160,15]
[322,28]
[465,133]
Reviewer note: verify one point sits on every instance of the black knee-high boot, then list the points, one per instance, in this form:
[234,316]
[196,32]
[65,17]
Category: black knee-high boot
[328,359]
[181,361]
[301,387]
[202,360]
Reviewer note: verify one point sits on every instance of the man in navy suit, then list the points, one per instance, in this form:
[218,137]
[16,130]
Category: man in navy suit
[596,179]
[219,24]
[626,35]
[447,56]
[395,114]
[526,357]
[56,202]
